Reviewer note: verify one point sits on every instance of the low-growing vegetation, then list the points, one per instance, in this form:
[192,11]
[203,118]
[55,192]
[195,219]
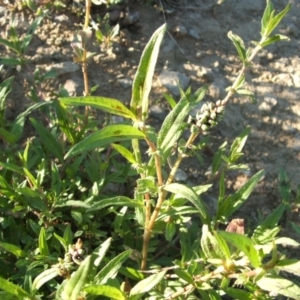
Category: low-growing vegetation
[90,208]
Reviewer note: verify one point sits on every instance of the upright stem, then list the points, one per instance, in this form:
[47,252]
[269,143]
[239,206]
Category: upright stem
[88,5]
[161,197]
[162,194]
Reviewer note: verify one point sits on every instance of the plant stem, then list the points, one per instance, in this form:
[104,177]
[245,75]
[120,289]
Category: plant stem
[84,62]
[161,197]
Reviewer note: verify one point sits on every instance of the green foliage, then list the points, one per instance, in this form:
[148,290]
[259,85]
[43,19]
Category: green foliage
[85,214]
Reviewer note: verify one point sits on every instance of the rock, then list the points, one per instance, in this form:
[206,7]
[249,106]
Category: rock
[130,18]
[125,82]
[180,176]
[61,19]
[194,34]
[158,113]
[268,104]
[64,67]
[171,79]
[283,79]
[72,86]
[296,80]
[180,31]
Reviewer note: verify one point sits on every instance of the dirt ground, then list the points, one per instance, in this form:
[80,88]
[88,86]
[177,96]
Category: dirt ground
[196,45]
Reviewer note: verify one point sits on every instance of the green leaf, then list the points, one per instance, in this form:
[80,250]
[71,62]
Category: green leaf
[186,276]
[273,21]
[29,34]
[289,265]
[173,124]
[250,94]
[11,45]
[296,227]
[264,232]
[13,289]
[212,245]
[15,250]
[266,16]
[68,235]
[101,251]
[218,158]
[235,201]
[239,45]
[238,294]
[44,277]
[278,285]
[189,194]
[9,61]
[143,78]
[106,291]
[145,285]
[77,281]
[110,105]
[104,137]
[48,140]
[238,145]
[62,241]
[170,231]
[111,268]
[244,244]
[115,201]
[284,187]
[43,246]
[287,242]
[7,136]
[125,153]
[274,39]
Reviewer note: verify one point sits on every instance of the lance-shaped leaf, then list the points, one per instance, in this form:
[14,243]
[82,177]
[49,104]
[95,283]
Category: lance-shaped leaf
[239,45]
[13,289]
[173,124]
[44,277]
[267,230]
[145,285]
[213,245]
[104,137]
[125,153]
[110,270]
[270,20]
[110,105]
[115,201]
[189,194]
[15,250]
[106,291]
[77,281]
[274,39]
[235,201]
[48,140]
[143,78]
[244,244]
[43,246]
[278,285]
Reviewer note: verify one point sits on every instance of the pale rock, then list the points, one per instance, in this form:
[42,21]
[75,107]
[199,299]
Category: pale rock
[64,67]
[180,176]
[158,112]
[72,87]
[194,34]
[125,82]
[180,31]
[171,79]
[268,103]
